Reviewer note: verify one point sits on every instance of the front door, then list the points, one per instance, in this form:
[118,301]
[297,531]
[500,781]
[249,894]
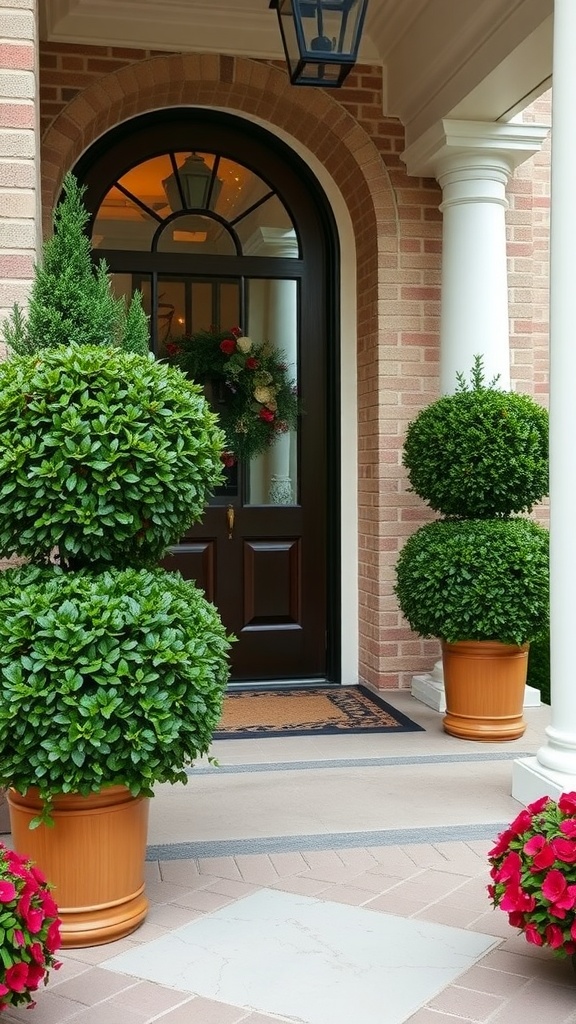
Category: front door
[215,227]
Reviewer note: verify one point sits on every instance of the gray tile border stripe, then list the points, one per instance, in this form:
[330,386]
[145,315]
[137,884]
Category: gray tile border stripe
[326,841]
[355,762]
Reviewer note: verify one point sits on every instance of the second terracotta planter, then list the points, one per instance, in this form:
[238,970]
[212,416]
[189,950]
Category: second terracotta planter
[484,682]
[93,855]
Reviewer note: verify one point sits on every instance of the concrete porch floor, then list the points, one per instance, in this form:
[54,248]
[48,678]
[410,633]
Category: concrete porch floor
[323,880]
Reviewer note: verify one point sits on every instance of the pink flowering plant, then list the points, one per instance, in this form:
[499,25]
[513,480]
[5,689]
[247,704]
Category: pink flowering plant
[29,929]
[533,871]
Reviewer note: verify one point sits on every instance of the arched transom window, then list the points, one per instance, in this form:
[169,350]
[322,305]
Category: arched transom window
[193,202]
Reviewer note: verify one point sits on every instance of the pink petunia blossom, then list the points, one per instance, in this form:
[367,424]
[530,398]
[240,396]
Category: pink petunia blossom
[515,898]
[567,803]
[34,919]
[35,976]
[510,869]
[533,935]
[53,940]
[17,977]
[516,919]
[534,845]
[568,827]
[38,875]
[538,805]
[48,905]
[501,844]
[521,824]
[554,936]
[544,859]
[564,850]
[554,885]
[36,952]
[7,892]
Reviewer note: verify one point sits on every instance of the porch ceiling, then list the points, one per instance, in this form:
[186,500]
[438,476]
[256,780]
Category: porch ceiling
[477,59]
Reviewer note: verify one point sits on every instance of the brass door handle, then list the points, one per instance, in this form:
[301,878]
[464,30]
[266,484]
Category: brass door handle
[230,520]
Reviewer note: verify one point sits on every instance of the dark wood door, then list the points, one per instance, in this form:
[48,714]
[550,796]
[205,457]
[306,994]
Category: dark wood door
[195,207]
[260,551]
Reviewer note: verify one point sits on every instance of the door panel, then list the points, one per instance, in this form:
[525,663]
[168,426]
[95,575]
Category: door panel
[272,583]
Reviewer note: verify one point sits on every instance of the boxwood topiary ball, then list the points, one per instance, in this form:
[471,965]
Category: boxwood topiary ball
[479,453]
[106,455]
[475,579]
[110,678]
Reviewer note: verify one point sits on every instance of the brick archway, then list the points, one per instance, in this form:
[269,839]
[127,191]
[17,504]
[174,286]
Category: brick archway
[321,125]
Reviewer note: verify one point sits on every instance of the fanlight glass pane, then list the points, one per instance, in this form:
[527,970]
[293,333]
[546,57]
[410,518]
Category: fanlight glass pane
[193,233]
[153,191]
[122,224]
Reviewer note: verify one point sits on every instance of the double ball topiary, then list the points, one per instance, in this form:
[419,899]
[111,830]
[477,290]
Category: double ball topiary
[110,678]
[479,457]
[479,453]
[105,455]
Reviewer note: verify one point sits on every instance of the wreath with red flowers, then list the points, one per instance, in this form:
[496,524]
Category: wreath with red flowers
[533,871]
[258,400]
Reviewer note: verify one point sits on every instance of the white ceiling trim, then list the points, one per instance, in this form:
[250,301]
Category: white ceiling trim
[244,27]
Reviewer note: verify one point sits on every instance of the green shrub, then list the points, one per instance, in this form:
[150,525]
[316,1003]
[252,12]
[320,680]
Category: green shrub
[112,678]
[539,665]
[71,300]
[480,452]
[477,579]
[106,455]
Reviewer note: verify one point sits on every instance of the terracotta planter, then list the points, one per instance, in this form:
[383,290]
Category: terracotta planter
[484,682]
[94,856]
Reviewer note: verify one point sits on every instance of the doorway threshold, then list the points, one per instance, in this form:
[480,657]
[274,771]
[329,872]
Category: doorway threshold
[278,684]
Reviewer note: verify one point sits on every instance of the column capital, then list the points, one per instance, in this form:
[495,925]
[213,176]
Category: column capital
[495,148]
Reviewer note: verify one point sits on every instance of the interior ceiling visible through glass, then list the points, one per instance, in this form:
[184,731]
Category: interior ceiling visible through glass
[241,212]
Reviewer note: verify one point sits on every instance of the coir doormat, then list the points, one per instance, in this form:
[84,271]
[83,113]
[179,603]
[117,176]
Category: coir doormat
[322,710]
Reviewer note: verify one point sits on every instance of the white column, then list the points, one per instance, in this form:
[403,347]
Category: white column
[553,770]
[474,310]
[472,161]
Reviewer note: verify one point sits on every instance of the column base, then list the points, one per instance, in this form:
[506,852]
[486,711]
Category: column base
[429,690]
[531,780]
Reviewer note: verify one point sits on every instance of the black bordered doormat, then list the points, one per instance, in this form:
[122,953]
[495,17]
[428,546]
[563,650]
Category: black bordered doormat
[303,712]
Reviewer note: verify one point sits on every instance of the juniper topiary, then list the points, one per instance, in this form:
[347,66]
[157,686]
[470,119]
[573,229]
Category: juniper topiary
[71,299]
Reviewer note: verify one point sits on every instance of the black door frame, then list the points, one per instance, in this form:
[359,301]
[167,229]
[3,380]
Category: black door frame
[147,135]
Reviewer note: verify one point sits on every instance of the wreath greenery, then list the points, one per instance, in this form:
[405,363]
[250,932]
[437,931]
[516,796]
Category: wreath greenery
[259,399]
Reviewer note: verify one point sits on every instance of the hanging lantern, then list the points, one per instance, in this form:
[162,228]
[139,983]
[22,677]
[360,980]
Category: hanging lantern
[192,190]
[320,38]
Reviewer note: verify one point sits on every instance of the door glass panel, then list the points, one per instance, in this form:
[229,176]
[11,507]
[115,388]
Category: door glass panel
[229,305]
[171,313]
[202,312]
[272,478]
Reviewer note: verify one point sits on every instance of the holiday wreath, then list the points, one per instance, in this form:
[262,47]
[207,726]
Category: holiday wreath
[258,398]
